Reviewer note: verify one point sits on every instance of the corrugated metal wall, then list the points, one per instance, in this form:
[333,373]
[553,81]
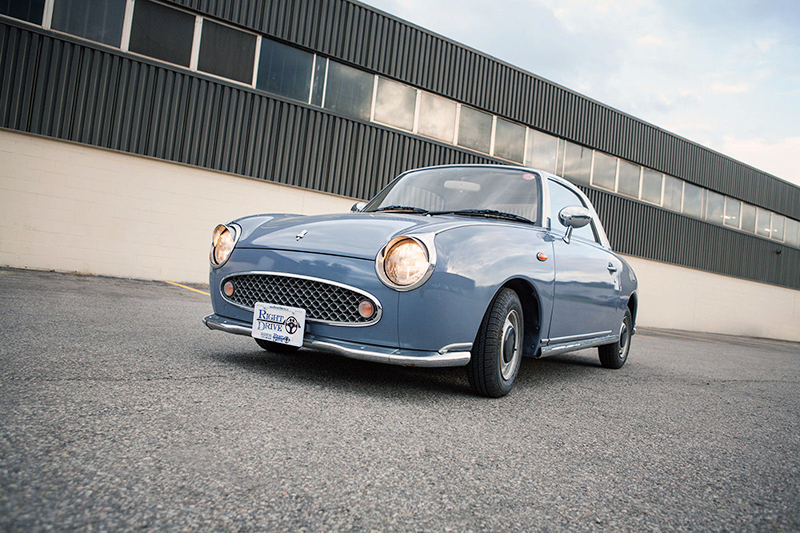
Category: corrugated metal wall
[74,90]
[365,37]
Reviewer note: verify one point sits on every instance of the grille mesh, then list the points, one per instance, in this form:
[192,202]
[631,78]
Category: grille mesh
[322,301]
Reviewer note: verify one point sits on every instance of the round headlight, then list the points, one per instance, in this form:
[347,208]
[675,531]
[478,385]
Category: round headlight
[222,242]
[406,262]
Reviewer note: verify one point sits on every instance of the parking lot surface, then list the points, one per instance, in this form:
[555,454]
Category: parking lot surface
[119,410]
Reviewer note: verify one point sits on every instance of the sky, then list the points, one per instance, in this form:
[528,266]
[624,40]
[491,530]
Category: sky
[722,73]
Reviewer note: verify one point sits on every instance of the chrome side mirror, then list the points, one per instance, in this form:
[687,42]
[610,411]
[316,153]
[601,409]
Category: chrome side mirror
[358,206]
[574,216]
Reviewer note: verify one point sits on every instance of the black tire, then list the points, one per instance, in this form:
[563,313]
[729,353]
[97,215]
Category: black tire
[274,347]
[614,355]
[498,347]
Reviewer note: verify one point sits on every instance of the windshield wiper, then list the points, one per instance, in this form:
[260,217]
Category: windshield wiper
[488,213]
[401,208]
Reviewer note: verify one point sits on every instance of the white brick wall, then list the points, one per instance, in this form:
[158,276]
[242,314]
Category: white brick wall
[70,207]
[674,297]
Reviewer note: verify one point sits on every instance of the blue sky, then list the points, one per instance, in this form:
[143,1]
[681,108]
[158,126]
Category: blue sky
[725,74]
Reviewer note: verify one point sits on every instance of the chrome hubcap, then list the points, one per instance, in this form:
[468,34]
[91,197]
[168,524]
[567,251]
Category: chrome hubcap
[624,336]
[510,346]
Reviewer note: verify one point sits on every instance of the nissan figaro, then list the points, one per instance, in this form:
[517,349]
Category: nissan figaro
[470,265]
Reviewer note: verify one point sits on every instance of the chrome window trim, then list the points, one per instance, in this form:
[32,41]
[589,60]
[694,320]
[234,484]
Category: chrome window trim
[378,306]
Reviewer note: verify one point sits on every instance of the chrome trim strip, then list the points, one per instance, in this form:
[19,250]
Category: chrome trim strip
[458,347]
[570,338]
[378,354]
[577,345]
[375,320]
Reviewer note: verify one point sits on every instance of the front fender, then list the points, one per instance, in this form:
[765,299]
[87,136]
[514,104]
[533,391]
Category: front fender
[473,263]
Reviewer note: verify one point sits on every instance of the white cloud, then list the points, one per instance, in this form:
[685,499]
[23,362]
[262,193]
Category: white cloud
[738,88]
[767,44]
[651,40]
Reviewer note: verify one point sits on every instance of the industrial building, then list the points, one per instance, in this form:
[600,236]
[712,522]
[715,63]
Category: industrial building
[130,128]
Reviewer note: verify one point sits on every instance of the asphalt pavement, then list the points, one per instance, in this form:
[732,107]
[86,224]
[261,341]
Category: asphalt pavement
[120,411]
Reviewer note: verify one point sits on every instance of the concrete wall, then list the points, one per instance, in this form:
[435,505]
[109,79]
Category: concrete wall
[682,298]
[71,207]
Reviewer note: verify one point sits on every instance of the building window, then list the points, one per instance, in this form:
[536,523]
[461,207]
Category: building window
[27,10]
[792,237]
[764,222]
[673,193]
[542,150]
[715,207]
[629,175]
[604,172]
[162,32]
[284,70]
[509,141]
[96,20]
[395,104]
[778,222]
[349,91]
[732,212]
[437,117]
[577,163]
[692,200]
[227,52]
[475,129]
[651,186]
[318,87]
[748,218]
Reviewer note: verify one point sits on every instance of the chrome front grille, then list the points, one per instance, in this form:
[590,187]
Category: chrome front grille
[323,301]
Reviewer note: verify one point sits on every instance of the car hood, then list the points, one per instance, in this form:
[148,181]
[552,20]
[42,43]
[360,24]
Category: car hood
[359,235]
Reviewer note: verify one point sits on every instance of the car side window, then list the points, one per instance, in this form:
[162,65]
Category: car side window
[561,197]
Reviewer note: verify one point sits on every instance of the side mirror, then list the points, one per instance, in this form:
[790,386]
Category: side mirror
[358,206]
[574,216]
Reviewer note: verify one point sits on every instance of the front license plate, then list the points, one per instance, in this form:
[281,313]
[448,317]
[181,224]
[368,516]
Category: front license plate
[279,324]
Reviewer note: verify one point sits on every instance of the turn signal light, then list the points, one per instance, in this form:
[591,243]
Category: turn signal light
[227,289]
[366,309]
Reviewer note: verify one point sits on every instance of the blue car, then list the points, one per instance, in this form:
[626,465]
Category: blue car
[473,265]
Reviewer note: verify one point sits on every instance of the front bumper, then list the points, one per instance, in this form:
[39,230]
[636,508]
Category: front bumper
[452,355]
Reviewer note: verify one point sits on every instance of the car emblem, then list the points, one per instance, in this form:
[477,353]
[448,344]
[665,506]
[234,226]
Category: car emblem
[301,235]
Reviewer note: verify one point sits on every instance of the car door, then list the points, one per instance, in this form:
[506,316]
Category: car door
[586,289]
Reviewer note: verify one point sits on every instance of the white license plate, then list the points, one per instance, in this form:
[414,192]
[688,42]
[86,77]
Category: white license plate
[279,324]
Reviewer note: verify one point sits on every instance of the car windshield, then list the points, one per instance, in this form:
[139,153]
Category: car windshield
[471,191]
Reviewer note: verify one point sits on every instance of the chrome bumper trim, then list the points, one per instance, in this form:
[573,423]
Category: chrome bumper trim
[451,355]
[227,325]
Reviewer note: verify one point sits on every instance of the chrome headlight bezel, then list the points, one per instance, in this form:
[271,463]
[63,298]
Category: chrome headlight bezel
[223,241]
[425,244]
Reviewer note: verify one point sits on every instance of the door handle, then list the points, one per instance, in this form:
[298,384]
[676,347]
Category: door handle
[611,267]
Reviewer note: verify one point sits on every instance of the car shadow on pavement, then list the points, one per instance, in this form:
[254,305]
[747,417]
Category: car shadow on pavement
[365,377]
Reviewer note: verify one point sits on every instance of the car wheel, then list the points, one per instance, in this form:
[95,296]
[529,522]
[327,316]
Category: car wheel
[275,347]
[497,351]
[614,355]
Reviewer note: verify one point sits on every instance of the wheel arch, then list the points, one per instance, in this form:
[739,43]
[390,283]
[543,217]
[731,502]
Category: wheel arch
[531,312]
[633,307]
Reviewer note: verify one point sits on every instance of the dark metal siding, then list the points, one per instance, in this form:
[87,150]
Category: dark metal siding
[73,90]
[365,37]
